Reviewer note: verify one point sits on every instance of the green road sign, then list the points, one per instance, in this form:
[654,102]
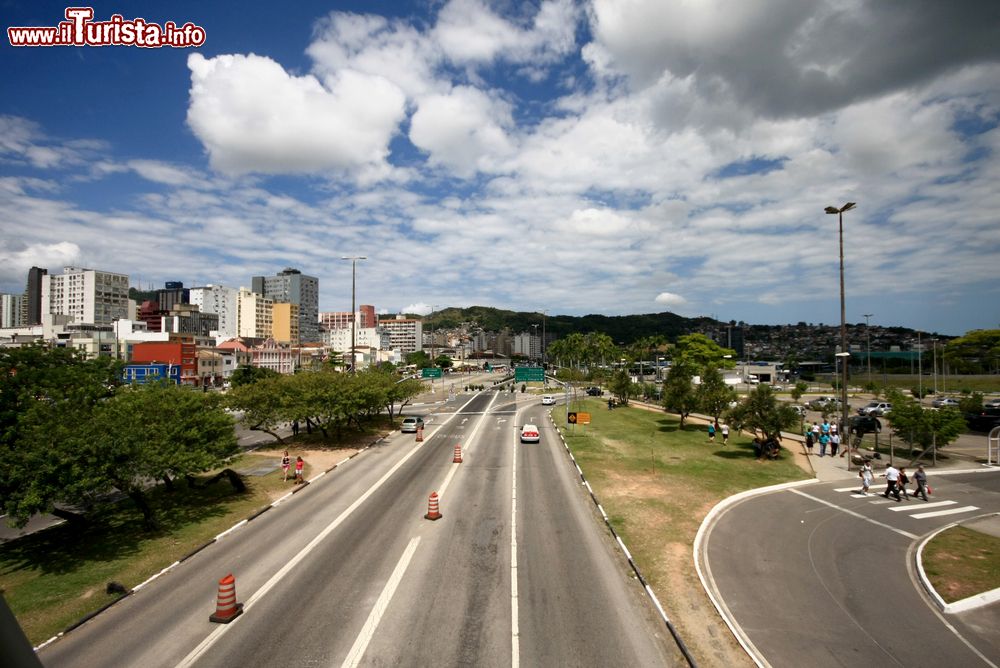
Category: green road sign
[430,373]
[529,374]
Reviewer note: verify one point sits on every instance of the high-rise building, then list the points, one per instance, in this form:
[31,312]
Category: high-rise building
[291,286]
[86,295]
[221,301]
[285,323]
[11,310]
[31,306]
[405,334]
[255,314]
[171,294]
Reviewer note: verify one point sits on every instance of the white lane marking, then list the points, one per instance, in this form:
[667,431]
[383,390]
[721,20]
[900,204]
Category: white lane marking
[847,489]
[214,636]
[375,616]
[923,505]
[858,515]
[939,513]
[515,632]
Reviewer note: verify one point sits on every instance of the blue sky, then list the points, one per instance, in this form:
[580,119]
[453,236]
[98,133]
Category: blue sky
[625,156]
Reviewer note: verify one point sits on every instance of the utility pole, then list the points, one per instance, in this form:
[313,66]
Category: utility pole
[868,336]
[354,261]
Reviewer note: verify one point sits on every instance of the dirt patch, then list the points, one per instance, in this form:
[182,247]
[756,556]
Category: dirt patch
[316,461]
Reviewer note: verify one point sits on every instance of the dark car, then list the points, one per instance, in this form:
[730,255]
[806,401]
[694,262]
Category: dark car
[594,391]
[865,424]
[983,420]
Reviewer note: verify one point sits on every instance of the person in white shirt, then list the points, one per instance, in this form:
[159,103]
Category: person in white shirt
[891,478]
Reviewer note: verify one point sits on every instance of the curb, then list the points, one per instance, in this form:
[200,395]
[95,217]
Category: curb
[964,605]
[699,539]
[235,527]
[628,555]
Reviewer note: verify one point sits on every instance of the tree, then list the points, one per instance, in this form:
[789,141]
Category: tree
[246,375]
[713,395]
[799,389]
[265,403]
[419,358]
[762,414]
[401,393]
[679,394]
[924,428]
[45,396]
[977,351]
[443,362]
[621,386]
[699,352]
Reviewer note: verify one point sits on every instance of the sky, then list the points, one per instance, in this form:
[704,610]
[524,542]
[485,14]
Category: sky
[572,157]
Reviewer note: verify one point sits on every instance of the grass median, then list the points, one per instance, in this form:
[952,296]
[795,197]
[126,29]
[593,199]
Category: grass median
[962,562]
[657,482]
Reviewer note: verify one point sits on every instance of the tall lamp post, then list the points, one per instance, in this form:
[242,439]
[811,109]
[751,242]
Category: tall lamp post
[354,263]
[534,335]
[843,321]
[868,344]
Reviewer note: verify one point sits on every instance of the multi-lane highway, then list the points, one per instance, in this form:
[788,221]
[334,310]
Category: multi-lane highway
[348,572]
[821,576]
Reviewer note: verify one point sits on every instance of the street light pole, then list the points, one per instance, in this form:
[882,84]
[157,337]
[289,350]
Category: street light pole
[843,321]
[354,263]
[868,336]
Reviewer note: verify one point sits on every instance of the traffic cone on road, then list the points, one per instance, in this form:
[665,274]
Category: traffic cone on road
[458,455]
[227,609]
[432,508]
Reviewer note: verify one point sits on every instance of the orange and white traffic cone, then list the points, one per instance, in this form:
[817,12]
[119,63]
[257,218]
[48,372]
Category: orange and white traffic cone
[432,508]
[458,455]
[227,609]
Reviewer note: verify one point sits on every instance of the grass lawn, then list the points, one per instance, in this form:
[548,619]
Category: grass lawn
[657,482]
[961,562]
[53,578]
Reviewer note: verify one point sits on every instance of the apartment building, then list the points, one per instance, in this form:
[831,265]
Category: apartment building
[285,323]
[255,315]
[86,295]
[291,286]
[11,311]
[405,334]
[221,301]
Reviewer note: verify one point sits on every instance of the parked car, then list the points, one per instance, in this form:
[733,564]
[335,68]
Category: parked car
[945,402]
[801,410]
[529,434]
[411,424]
[819,403]
[991,403]
[984,420]
[878,408]
[594,391]
[865,424]
[548,400]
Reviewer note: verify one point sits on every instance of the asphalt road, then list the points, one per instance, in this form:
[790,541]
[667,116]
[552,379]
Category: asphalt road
[820,576]
[348,572]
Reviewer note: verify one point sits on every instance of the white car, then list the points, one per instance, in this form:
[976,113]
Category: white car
[991,403]
[548,400]
[529,434]
[411,425]
[945,402]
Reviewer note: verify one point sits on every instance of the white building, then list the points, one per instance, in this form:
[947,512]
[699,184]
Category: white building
[405,334]
[528,345]
[255,315]
[11,307]
[377,338]
[222,301]
[87,296]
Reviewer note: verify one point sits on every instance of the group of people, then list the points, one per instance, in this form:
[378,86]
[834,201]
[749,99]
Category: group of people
[714,427]
[896,481]
[826,435]
[286,465]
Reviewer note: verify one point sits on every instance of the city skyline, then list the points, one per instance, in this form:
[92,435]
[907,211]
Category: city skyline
[574,157]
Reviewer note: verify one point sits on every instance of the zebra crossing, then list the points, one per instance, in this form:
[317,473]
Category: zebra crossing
[917,510]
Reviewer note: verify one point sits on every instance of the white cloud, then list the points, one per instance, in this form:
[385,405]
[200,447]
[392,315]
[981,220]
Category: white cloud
[419,308]
[252,116]
[669,299]
[16,258]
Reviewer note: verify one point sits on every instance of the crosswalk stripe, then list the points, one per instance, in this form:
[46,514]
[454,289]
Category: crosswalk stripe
[939,513]
[847,489]
[923,505]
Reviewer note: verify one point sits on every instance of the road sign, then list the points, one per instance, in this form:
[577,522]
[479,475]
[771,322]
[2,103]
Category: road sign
[529,374]
[430,373]
[571,417]
[583,418]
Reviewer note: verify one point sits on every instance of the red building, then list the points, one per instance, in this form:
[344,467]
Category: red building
[177,353]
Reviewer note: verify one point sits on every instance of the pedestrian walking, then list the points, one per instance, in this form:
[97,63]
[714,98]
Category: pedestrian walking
[866,474]
[725,434]
[834,444]
[299,465]
[815,432]
[711,432]
[809,441]
[902,482]
[921,477]
[295,428]
[891,480]
[825,427]
[824,440]
[286,463]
